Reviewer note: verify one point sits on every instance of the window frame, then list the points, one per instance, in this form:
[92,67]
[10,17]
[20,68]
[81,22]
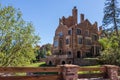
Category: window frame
[78,31]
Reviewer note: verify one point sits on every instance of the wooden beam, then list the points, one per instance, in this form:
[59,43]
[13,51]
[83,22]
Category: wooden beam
[29,69]
[101,69]
[43,77]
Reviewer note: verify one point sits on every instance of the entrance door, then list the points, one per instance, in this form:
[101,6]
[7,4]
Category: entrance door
[63,62]
[50,63]
[78,54]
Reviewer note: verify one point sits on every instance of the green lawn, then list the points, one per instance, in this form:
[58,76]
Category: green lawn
[89,72]
[36,64]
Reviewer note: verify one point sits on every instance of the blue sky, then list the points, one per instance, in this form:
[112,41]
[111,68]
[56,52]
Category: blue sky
[45,14]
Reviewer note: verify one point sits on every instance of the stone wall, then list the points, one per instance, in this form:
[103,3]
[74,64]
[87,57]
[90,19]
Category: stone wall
[85,62]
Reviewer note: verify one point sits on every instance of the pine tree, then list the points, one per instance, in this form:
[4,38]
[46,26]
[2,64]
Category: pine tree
[111,19]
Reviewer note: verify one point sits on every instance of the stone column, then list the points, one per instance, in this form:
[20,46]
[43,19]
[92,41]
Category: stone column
[112,72]
[69,72]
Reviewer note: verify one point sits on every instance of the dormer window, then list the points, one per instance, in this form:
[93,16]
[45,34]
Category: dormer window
[78,31]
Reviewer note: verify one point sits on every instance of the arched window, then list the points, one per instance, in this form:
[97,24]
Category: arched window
[67,41]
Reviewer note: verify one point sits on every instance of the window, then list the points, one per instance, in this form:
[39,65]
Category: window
[60,43]
[79,40]
[69,32]
[87,41]
[55,43]
[67,41]
[60,51]
[78,31]
[88,54]
[94,37]
[86,33]
[69,53]
[60,34]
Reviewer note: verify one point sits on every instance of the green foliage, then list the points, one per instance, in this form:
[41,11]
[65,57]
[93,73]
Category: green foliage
[111,56]
[111,52]
[104,43]
[42,52]
[49,53]
[48,49]
[17,38]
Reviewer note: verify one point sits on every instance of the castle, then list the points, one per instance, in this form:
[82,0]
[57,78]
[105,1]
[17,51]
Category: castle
[74,40]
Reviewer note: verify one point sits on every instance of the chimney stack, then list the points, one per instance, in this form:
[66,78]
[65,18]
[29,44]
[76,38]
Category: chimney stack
[82,17]
[74,14]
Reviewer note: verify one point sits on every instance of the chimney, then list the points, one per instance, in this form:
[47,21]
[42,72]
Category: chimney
[74,14]
[82,17]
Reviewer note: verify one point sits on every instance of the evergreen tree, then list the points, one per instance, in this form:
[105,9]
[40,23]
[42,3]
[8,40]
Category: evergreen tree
[111,20]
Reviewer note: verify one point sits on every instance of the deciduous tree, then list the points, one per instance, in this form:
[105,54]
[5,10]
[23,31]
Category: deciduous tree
[17,38]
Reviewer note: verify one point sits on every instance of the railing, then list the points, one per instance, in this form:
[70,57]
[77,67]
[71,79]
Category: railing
[91,72]
[30,70]
[119,71]
[64,72]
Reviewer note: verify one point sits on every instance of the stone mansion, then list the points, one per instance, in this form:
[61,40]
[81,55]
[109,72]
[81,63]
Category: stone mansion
[74,40]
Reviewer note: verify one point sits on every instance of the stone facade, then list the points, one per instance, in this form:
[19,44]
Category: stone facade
[74,40]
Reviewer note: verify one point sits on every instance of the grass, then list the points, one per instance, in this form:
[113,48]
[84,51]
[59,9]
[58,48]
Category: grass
[41,64]
[95,66]
[89,72]
[36,64]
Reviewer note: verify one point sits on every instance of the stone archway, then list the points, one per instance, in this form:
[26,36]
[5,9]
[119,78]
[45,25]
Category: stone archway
[70,62]
[63,62]
[50,63]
